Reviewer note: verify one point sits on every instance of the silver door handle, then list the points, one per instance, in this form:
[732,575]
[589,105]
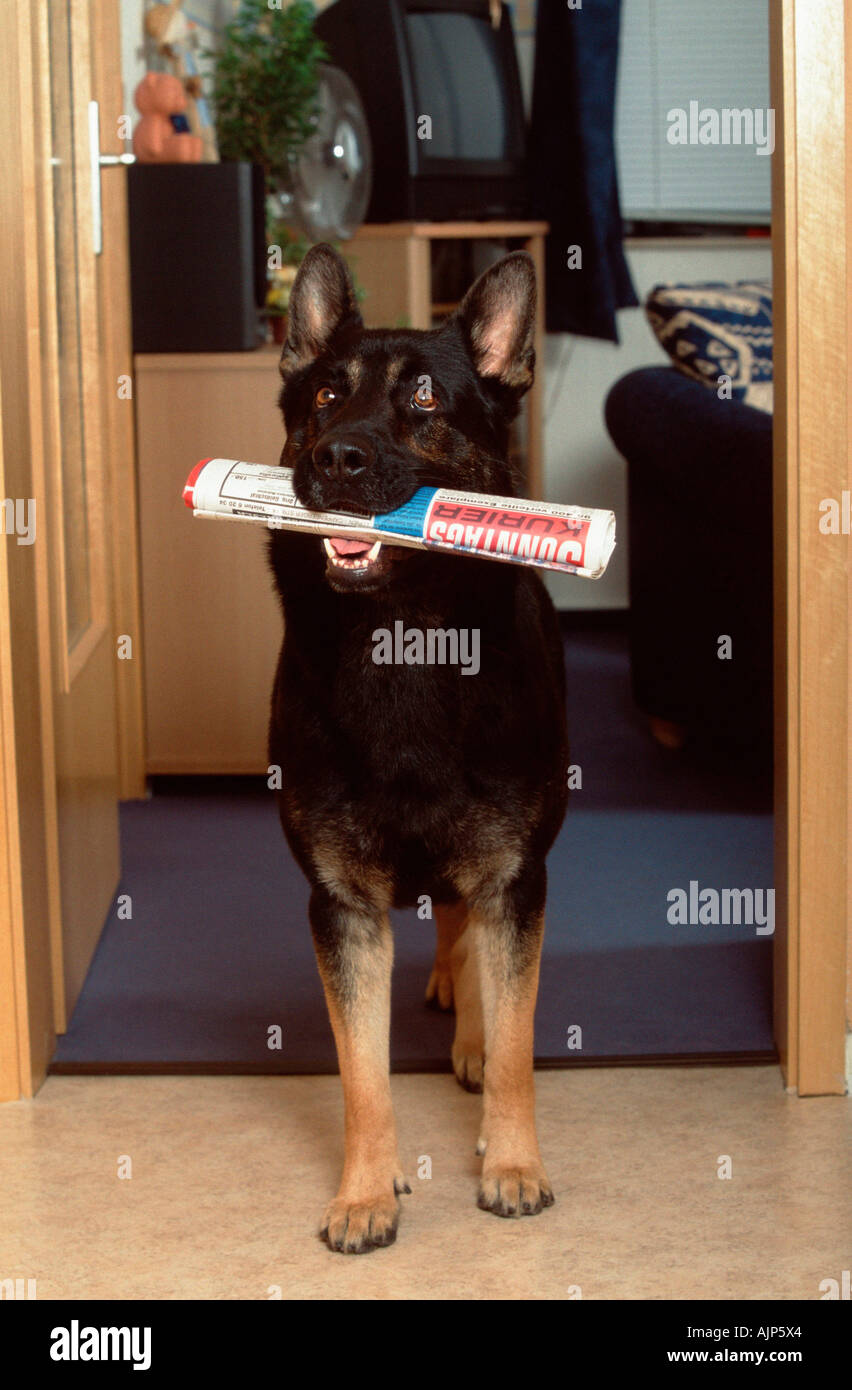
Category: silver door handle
[97,161]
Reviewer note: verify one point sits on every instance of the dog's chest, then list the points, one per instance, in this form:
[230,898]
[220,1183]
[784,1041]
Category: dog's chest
[392,725]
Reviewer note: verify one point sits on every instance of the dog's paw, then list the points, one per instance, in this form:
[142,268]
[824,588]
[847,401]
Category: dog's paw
[354,1227]
[468,1064]
[515,1190]
[439,991]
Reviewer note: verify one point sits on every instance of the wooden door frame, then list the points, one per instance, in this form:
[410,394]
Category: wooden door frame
[812,247]
[31,995]
[119,426]
[27,779]
[812,269]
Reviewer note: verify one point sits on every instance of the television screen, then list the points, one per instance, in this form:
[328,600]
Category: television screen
[458,82]
[445,60]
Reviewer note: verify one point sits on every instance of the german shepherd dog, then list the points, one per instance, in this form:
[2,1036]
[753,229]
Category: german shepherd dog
[406,780]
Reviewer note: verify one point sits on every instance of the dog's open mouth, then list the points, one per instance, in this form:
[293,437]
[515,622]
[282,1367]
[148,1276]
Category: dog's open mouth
[344,553]
[355,566]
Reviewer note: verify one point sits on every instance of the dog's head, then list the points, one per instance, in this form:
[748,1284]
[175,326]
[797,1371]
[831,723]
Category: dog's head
[374,414]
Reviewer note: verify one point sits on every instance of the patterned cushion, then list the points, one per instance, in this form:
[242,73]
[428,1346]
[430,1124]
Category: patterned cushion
[715,329]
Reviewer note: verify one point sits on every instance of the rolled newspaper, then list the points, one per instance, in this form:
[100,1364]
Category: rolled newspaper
[573,540]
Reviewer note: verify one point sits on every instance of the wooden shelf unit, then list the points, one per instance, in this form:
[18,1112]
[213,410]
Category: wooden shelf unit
[393,262]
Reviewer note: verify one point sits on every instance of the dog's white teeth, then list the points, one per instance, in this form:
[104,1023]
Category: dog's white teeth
[360,563]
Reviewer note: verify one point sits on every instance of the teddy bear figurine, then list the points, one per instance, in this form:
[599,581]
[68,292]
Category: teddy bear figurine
[163,135]
[176,39]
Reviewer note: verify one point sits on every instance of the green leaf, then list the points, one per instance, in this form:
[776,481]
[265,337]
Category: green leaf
[264,84]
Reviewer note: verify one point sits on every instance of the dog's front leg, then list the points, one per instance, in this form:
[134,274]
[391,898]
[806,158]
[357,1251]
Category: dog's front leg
[355,954]
[509,926]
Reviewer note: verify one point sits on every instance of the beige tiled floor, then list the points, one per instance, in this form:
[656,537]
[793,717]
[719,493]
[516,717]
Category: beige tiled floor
[229,1176]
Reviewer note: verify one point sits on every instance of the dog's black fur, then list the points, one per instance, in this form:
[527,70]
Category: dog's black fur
[405,780]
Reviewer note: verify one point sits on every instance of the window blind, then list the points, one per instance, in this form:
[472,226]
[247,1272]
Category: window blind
[693,56]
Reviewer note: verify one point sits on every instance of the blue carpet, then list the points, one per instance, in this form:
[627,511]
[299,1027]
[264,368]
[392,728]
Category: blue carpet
[218,950]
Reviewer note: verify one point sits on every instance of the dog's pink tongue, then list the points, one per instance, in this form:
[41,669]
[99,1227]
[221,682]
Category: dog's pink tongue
[342,545]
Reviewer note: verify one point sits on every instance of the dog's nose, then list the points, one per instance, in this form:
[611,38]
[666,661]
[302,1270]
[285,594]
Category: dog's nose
[343,456]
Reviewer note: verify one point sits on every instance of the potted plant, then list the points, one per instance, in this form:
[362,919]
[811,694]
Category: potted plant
[287,250]
[290,248]
[278,300]
[265,80]
[264,86]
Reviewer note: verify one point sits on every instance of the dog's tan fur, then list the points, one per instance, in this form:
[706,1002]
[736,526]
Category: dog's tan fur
[365,1211]
[494,996]
[513,1176]
[454,982]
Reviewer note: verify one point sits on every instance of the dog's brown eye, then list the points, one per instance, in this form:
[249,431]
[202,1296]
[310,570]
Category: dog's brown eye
[424,399]
[324,396]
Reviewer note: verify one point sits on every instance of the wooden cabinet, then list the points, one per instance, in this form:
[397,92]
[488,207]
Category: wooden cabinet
[212,624]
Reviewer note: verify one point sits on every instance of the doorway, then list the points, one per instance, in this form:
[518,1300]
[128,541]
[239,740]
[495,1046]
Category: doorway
[63,612]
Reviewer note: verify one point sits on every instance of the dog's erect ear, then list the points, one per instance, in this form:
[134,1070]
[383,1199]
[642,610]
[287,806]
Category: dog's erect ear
[322,300]
[498,316]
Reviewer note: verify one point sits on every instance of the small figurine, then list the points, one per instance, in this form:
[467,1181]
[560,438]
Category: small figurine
[163,136]
[174,37]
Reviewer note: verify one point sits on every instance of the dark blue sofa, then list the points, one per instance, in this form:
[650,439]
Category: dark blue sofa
[700,556]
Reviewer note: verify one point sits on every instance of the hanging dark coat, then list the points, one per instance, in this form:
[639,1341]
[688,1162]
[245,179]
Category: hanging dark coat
[572,166]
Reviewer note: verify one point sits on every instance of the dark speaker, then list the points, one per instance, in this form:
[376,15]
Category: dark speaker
[197,256]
